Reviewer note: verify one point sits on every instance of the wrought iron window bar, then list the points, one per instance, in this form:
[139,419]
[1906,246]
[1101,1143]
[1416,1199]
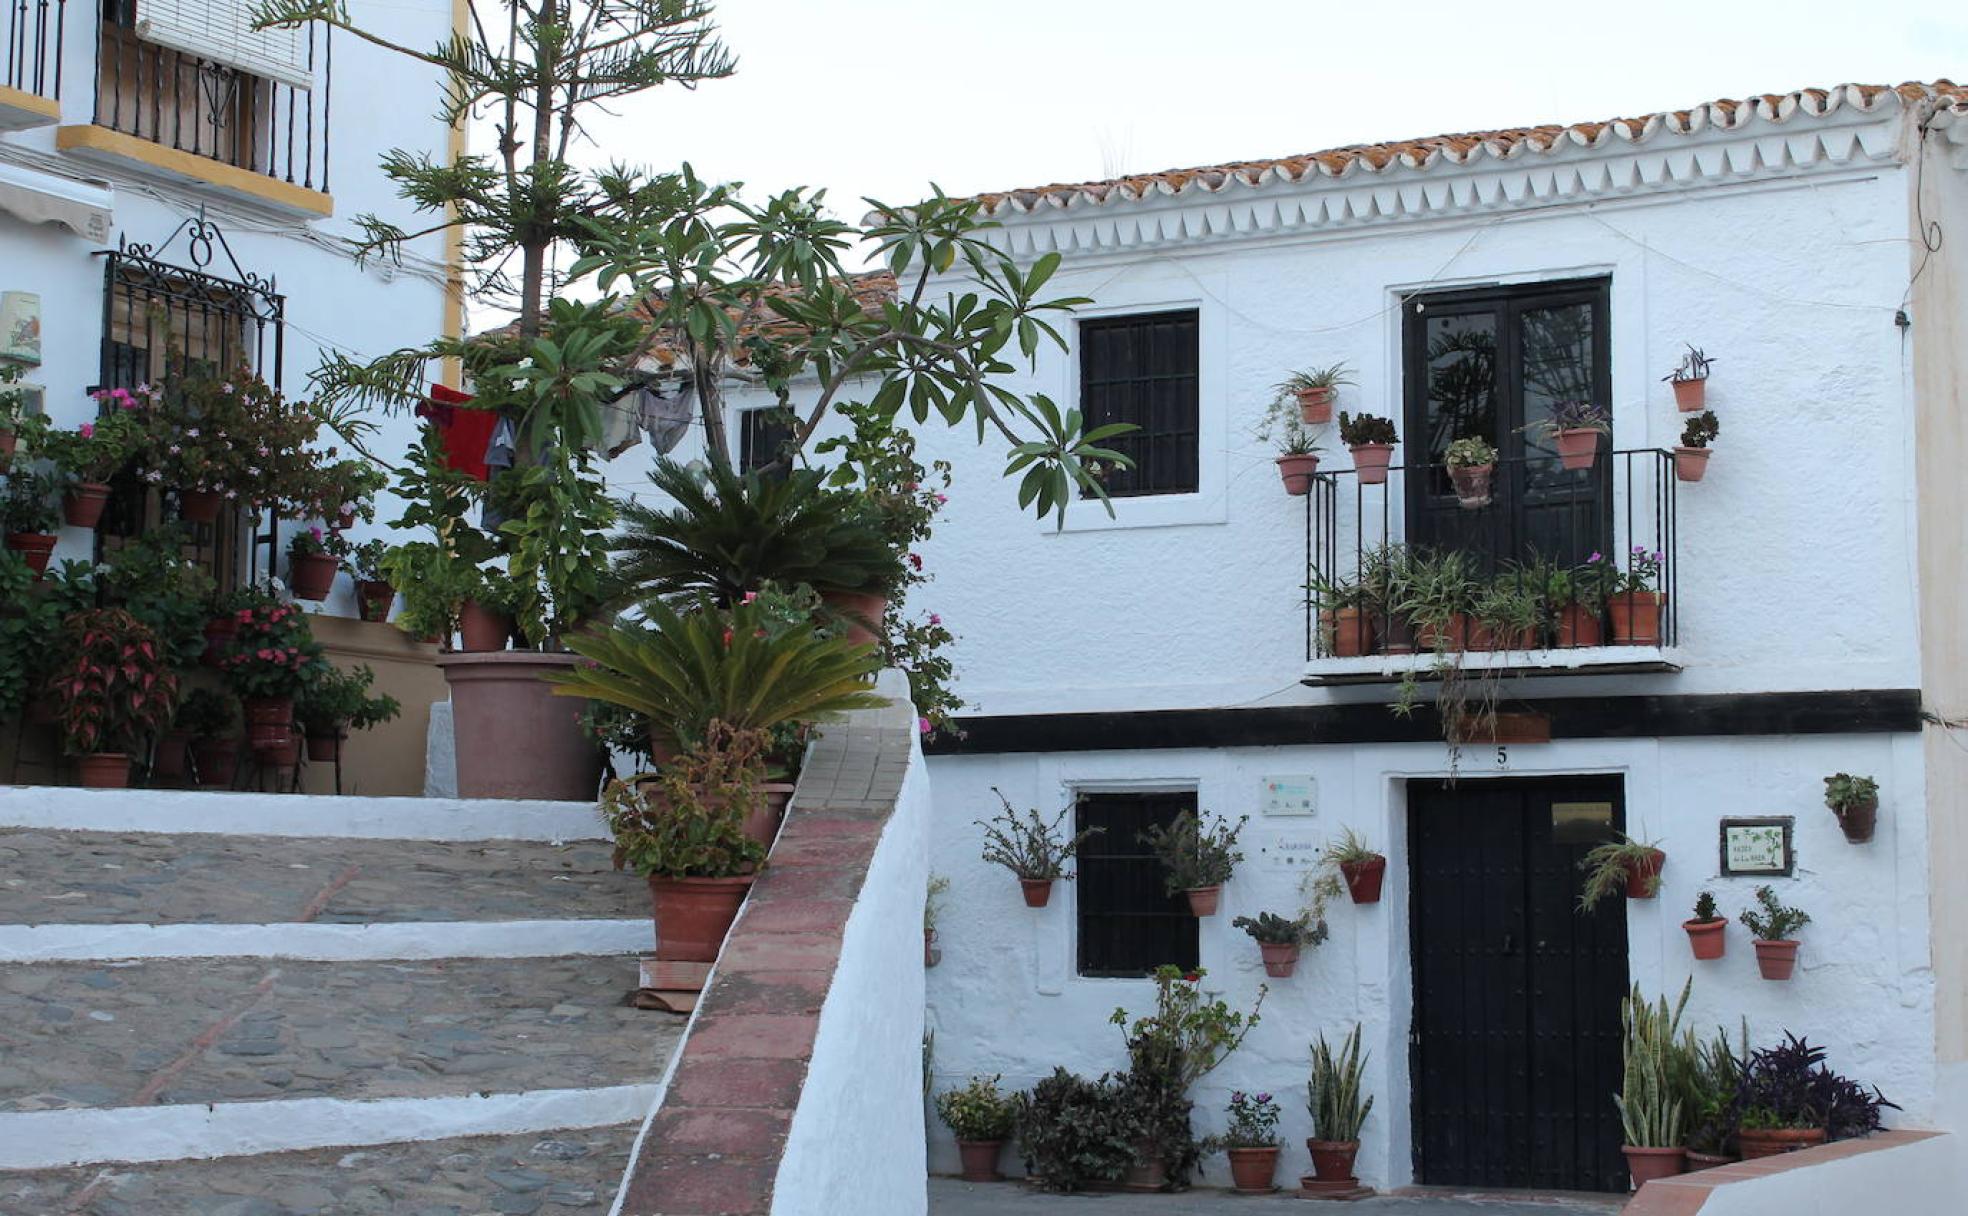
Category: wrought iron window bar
[34,46]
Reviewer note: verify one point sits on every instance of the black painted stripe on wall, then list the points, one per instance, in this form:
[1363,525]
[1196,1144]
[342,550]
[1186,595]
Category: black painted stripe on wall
[1860,711]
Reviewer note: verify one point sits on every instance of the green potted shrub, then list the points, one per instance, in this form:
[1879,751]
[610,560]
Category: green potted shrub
[1313,391]
[13,411]
[433,584]
[1198,854]
[683,832]
[1280,940]
[211,718]
[1576,598]
[28,517]
[1436,598]
[111,688]
[313,558]
[1471,462]
[1855,800]
[1788,1099]
[1621,864]
[1691,456]
[1346,616]
[1384,581]
[1635,599]
[1336,1098]
[1298,456]
[488,611]
[1574,428]
[336,703]
[982,1118]
[1775,924]
[1506,614]
[1371,439]
[1712,1086]
[271,660]
[374,592]
[1690,380]
[1187,1035]
[1707,932]
[1036,852]
[87,458]
[1657,1059]
[1075,1133]
[1251,1142]
[1362,867]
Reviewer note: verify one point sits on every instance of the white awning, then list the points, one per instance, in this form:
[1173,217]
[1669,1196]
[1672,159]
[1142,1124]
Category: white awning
[222,31]
[44,198]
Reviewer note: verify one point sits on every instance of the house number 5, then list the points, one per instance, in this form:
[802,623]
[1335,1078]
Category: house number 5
[1503,757]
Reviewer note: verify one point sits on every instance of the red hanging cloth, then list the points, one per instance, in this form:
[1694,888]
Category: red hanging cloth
[466,432]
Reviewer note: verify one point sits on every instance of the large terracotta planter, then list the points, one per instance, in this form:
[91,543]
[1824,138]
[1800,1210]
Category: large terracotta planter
[199,506]
[1296,470]
[1647,1164]
[1636,617]
[514,738]
[1859,820]
[1332,1160]
[1203,900]
[373,597]
[1690,396]
[1642,875]
[1370,461]
[1577,448]
[1280,959]
[104,770]
[168,763]
[482,630]
[1483,636]
[269,722]
[1252,1169]
[694,914]
[1578,626]
[1315,405]
[1351,630]
[1708,938]
[1690,463]
[1472,484]
[217,761]
[1038,891]
[83,503]
[1363,878]
[1758,1142]
[312,575]
[861,612]
[980,1160]
[1776,961]
[34,547]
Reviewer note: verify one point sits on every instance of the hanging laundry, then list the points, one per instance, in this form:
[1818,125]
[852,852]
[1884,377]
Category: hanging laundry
[465,431]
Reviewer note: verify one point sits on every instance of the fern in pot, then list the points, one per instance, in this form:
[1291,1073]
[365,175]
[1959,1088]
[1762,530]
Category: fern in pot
[1313,391]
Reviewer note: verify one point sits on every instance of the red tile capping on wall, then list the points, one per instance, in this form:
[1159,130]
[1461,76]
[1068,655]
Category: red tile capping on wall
[1685,1194]
[713,1147]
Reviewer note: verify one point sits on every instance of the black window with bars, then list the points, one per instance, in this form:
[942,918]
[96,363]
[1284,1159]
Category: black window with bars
[1143,370]
[1129,923]
[762,435]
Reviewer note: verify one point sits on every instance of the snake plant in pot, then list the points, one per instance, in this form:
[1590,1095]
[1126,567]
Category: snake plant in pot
[1337,1099]
[1658,1062]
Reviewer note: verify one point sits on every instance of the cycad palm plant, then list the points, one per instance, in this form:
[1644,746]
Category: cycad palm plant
[684,670]
[727,533]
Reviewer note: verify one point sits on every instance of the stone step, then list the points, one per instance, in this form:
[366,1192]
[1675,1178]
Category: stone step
[173,1032]
[102,878]
[547,1173]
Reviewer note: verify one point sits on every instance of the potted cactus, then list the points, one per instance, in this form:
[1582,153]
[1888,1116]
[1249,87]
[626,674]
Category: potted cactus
[1855,800]
[1371,439]
[1313,391]
[1036,852]
[1198,856]
[1691,456]
[1690,381]
[1774,923]
[1574,429]
[1706,931]
[1280,940]
[1471,463]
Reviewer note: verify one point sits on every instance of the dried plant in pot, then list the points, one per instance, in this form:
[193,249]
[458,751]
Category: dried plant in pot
[1788,1099]
[1371,439]
[1313,391]
[1657,1058]
[1035,851]
[1775,925]
[683,830]
[1621,865]
[1471,462]
[1690,380]
[1707,932]
[112,687]
[1298,456]
[1363,868]
[1855,800]
[982,1118]
[1691,456]
[1574,428]
[1339,1104]
[1198,853]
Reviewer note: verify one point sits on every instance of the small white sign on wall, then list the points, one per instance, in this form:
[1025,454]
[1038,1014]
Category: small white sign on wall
[1291,852]
[1288,796]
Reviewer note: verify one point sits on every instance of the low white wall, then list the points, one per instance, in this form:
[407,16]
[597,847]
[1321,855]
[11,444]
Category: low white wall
[857,1139]
[1925,1178]
[62,808]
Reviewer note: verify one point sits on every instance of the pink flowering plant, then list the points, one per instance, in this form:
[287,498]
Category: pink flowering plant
[227,432]
[94,451]
[274,653]
[312,540]
[1253,1122]
[1642,575]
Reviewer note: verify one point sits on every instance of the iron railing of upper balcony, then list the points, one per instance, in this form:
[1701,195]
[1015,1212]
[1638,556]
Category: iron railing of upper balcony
[34,46]
[215,110]
[1542,558]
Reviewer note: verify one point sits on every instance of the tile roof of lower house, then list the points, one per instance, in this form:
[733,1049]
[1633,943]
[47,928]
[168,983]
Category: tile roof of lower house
[1462,149]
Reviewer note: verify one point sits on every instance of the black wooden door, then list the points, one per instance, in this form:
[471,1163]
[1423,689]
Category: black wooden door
[1516,1044]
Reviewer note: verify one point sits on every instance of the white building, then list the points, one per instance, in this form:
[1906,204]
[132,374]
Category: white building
[164,156]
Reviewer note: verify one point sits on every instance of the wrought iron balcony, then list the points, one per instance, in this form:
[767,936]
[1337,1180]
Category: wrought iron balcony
[34,62]
[1541,569]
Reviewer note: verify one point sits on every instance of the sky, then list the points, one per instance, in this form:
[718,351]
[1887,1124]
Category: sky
[880,97]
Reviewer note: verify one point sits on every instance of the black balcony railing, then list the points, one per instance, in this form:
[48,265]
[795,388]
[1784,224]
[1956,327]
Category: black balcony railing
[214,110]
[1537,557]
[34,46]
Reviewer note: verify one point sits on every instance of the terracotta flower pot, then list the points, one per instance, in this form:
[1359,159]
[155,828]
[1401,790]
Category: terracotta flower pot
[1203,900]
[1756,1142]
[1370,461]
[1636,617]
[1332,1160]
[931,955]
[1297,469]
[1351,630]
[482,630]
[219,632]
[1452,636]
[1647,1164]
[322,749]
[1577,448]
[860,611]
[980,1160]
[312,575]
[1777,961]
[1252,1169]
[1641,875]
[762,820]
[1708,938]
[373,597]
[83,503]
[1706,1161]
[1690,463]
[1363,878]
[1038,891]
[1578,626]
[281,757]
[1315,405]
[694,914]
[1280,959]
[7,441]
[1400,635]
[1483,636]
[1472,484]
[1148,1173]
[217,761]
[168,763]
[344,519]
[1690,396]
[514,737]
[1859,820]
[104,770]
[199,506]
[34,547]
[269,722]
